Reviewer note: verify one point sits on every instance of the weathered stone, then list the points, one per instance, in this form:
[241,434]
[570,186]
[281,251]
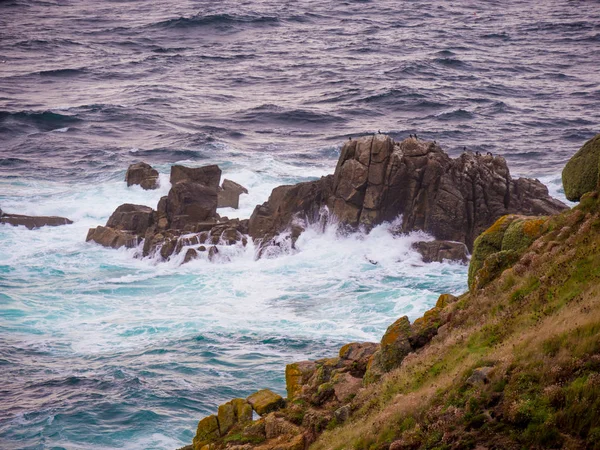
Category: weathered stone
[265,401]
[207,432]
[142,174]
[356,356]
[133,218]
[395,345]
[109,237]
[500,246]
[209,176]
[296,376]
[438,251]
[229,194]
[243,410]
[345,386]
[580,174]
[189,203]
[275,427]
[32,222]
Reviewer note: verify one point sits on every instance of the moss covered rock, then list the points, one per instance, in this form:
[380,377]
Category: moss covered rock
[207,432]
[580,174]
[395,345]
[265,401]
[501,245]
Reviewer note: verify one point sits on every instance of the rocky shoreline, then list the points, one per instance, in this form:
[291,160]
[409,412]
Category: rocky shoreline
[376,180]
[484,370]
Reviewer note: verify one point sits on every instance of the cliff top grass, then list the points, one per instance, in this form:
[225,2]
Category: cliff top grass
[517,365]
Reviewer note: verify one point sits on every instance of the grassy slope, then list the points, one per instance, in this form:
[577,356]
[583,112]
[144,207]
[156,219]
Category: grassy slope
[537,325]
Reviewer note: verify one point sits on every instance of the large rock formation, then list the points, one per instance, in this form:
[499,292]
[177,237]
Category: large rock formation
[377,179]
[142,174]
[183,221]
[580,174]
[229,194]
[32,222]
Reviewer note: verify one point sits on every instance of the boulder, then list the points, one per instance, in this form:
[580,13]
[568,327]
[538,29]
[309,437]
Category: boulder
[501,245]
[32,222]
[439,251]
[142,174]
[229,194]
[109,237]
[265,401]
[207,432]
[133,218]
[377,180]
[580,174]
[209,176]
[395,345]
[189,203]
[190,255]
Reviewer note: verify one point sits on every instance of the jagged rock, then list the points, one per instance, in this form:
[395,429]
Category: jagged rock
[345,386]
[209,176]
[265,401]
[133,218]
[189,203]
[287,203]
[32,222]
[580,174]
[212,253]
[356,356]
[439,251]
[229,194]
[296,376]
[500,246]
[275,427]
[207,432]
[109,237]
[377,179]
[142,174]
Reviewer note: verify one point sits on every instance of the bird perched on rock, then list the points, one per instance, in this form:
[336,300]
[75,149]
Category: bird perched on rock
[378,131]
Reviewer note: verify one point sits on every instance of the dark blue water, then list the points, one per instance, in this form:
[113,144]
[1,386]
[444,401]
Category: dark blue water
[98,350]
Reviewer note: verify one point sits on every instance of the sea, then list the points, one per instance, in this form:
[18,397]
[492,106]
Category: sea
[102,350]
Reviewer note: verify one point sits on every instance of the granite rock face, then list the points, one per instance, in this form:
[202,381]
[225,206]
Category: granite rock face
[142,174]
[377,179]
[438,251]
[229,194]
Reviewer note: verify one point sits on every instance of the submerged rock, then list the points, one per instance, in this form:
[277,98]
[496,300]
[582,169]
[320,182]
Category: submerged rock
[32,222]
[142,174]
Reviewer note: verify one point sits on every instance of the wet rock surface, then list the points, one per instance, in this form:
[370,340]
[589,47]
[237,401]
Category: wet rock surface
[142,174]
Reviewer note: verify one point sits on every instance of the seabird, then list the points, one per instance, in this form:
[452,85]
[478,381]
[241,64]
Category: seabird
[410,136]
[378,131]
[464,149]
[416,137]
[489,154]
[477,153]
[349,138]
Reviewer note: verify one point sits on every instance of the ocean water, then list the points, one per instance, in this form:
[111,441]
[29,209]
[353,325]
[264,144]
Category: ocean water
[101,350]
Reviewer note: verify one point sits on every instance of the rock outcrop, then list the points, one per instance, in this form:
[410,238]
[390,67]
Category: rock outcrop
[320,394]
[580,174]
[142,174]
[185,221]
[501,245]
[377,179]
[229,194]
[32,222]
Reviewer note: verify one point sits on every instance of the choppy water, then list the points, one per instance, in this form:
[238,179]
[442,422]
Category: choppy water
[101,350]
